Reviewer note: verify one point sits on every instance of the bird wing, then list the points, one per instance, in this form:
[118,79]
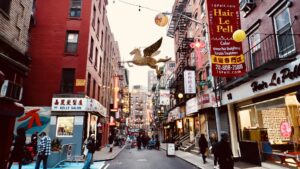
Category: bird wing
[151,49]
[155,53]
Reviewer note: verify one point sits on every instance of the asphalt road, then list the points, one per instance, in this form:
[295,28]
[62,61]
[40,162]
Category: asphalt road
[146,159]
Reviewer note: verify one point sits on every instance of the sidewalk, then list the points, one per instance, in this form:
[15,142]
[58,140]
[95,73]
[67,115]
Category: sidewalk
[105,155]
[196,160]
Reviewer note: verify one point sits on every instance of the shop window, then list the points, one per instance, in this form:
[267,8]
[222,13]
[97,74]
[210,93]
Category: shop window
[71,42]
[65,127]
[75,8]
[285,39]
[67,80]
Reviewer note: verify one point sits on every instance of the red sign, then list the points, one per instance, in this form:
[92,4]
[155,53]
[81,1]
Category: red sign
[227,55]
[285,129]
[205,98]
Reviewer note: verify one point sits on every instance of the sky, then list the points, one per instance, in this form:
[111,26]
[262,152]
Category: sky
[133,28]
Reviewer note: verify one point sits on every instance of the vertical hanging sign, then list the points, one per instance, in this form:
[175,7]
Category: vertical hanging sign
[189,82]
[226,54]
[116,93]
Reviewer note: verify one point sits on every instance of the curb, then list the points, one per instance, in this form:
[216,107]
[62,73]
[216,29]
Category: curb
[184,159]
[109,159]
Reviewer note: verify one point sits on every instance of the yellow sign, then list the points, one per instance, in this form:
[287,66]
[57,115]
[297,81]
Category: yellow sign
[80,82]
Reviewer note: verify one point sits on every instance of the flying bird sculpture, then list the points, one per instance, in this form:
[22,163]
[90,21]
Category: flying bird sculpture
[148,57]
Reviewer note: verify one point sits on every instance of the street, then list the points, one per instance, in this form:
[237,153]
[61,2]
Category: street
[146,159]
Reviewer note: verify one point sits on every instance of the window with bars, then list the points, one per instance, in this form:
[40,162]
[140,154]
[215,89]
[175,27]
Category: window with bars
[5,5]
[71,42]
[67,80]
[75,8]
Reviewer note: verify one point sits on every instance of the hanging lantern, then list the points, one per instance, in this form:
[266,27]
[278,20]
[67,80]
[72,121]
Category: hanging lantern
[161,20]
[239,35]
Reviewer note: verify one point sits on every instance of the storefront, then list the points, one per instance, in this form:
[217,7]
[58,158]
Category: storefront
[267,117]
[75,119]
[191,113]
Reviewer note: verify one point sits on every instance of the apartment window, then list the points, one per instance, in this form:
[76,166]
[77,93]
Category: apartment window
[203,7]
[94,88]
[285,40]
[96,59]
[94,17]
[103,14]
[67,80]
[99,5]
[98,93]
[98,28]
[72,42]
[101,45]
[75,8]
[100,66]
[91,50]
[88,86]
[254,42]
[5,5]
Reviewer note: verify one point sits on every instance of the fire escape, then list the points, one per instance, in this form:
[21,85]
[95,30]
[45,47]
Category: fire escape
[178,29]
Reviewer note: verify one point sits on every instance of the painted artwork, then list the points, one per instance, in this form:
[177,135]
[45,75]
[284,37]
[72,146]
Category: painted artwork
[35,119]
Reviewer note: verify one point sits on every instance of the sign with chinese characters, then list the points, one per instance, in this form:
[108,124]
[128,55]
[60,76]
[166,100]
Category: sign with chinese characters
[78,104]
[192,106]
[80,82]
[226,54]
[189,82]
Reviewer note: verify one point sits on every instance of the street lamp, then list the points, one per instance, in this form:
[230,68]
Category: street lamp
[239,35]
[180,95]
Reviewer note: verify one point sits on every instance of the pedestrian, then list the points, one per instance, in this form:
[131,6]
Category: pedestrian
[34,140]
[43,150]
[139,141]
[157,142]
[91,147]
[111,142]
[213,141]
[17,153]
[203,144]
[223,152]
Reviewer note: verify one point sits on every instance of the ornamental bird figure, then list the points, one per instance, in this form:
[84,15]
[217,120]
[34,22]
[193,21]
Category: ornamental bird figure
[147,58]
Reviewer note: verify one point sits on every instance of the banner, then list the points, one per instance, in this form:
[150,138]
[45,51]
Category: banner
[226,54]
[189,82]
[164,97]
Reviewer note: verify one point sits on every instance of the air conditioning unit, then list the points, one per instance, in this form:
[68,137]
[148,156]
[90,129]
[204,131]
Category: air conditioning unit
[247,5]
[11,90]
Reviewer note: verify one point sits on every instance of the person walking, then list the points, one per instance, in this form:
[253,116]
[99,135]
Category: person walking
[223,153]
[111,142]
[34,140]
[17,153]
[43,150]
[91,147]
[203,144]
[213,141]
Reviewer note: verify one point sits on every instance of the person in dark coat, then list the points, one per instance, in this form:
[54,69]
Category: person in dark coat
[223,152]
[34,140]
[17,153]
[111,142]
[213,141]
[203,144]
[91,146]
[139,141]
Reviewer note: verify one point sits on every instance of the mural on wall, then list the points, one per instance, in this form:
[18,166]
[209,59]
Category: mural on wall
[35,119]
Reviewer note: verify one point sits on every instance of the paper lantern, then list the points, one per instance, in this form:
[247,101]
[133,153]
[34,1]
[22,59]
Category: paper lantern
[161,20]
[180,95]
[239,35]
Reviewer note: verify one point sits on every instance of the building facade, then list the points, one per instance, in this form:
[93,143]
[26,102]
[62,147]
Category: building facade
[78,65]
[263,107]
[15,17]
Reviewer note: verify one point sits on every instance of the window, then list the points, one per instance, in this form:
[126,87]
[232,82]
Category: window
[203,7]
[285,40]
[101,45]
[254,42]
[96,59]
[5,5]
[99,5]
[65,126]
[98,93]
[72,42]
[100,66]
[67,80]
[91,49]
[75,8]
[88,86]
[94,17]
[98,28]
[94,88]
[103,14]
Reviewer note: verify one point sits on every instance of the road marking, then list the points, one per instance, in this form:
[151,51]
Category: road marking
[105,167]
[141,160]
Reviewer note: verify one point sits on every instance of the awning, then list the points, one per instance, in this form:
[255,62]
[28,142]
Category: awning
[10,108]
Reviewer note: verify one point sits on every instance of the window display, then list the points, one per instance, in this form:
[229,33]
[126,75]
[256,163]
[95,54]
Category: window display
[274,125]
[65,126]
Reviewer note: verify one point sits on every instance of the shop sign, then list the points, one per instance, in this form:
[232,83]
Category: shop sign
[226,54]
[68,104]
[189,82]
[277,79]
[191,106]
[285,129]
[164,97]
[204,98]
[80,82]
